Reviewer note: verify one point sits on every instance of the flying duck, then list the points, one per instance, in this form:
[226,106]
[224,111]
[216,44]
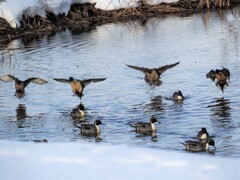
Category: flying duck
[21,85]
[221,77]
[78,85]
[152,76]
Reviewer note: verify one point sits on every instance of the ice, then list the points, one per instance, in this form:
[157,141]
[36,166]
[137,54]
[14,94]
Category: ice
[29,160]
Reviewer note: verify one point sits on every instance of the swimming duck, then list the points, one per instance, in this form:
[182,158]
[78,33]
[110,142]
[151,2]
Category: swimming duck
[177,95]
[152,76]
[203,134]
[78,111]
[221,77]
[40,141]
[146,126]
[90,128]
[21,85]
[78,85]
[198,146]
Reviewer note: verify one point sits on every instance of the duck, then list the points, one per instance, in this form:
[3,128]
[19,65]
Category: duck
[41,141]
[203,134]
[90,128]
[78,111]
[146,126]
[152,76]
[21,85]
[220,76]
[79,85]
[198,146]
[177,95]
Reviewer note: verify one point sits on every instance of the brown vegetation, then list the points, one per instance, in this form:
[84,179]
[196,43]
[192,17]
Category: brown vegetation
[84,15]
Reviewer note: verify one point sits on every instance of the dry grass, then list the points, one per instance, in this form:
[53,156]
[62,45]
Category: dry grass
[85,15]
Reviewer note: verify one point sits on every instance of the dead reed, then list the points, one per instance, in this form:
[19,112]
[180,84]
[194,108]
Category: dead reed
[85,15]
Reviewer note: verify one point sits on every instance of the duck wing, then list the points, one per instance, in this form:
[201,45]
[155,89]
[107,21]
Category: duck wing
[211,74]
[162,69]
[7,78]
[34,80]
[88,81]
[62,80]
[226,72]
[140,124]
[142,69]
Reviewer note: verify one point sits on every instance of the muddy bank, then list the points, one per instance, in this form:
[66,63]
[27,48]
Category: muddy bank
[83,17]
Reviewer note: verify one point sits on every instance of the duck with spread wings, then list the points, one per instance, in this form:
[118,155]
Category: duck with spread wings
[152,76]
[78,85]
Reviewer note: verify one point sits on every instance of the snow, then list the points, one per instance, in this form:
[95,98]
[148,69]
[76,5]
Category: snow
[28,160]
[12,11]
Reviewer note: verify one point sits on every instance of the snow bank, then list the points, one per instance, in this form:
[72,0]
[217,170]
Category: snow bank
[12,11]
[28,160]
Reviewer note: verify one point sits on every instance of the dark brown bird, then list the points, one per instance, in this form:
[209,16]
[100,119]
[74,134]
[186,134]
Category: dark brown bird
[152,76]
[78,85]
[221,77]
[21,85]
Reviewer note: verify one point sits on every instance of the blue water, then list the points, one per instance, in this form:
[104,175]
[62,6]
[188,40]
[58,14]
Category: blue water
[200,42]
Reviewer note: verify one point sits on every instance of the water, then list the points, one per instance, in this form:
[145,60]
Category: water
[200,42]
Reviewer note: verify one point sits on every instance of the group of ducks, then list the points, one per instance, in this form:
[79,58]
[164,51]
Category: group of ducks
[152,76]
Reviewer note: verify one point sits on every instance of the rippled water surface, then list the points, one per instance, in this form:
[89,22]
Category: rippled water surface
[200,42]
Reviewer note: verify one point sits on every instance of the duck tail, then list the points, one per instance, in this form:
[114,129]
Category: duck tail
[132,125]
[78,126]
[182,143]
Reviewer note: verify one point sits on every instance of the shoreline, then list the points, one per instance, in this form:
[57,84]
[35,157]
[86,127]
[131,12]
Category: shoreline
[85,16]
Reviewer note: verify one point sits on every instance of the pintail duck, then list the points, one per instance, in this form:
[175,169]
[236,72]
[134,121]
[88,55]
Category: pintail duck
[221,77]
[78,111]
[177,95]
[198,146]
[78,85]
[152,76]
[203,134]
[90,128]
[146,126]
[21,85]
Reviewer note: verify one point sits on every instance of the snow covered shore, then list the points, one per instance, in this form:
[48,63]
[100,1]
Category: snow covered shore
[28,160]
[12,11]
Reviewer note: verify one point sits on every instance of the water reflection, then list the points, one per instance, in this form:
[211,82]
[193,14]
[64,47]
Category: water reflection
[21,112]
[152,134]
[155,104]
[220,109]
[92,135]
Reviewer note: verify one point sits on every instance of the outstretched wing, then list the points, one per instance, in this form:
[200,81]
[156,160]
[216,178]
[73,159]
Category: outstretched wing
[211,74]
[142,69]
[62,80]
[88,81]
[226,72]
[34,80]
[162,69]
[7,78]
